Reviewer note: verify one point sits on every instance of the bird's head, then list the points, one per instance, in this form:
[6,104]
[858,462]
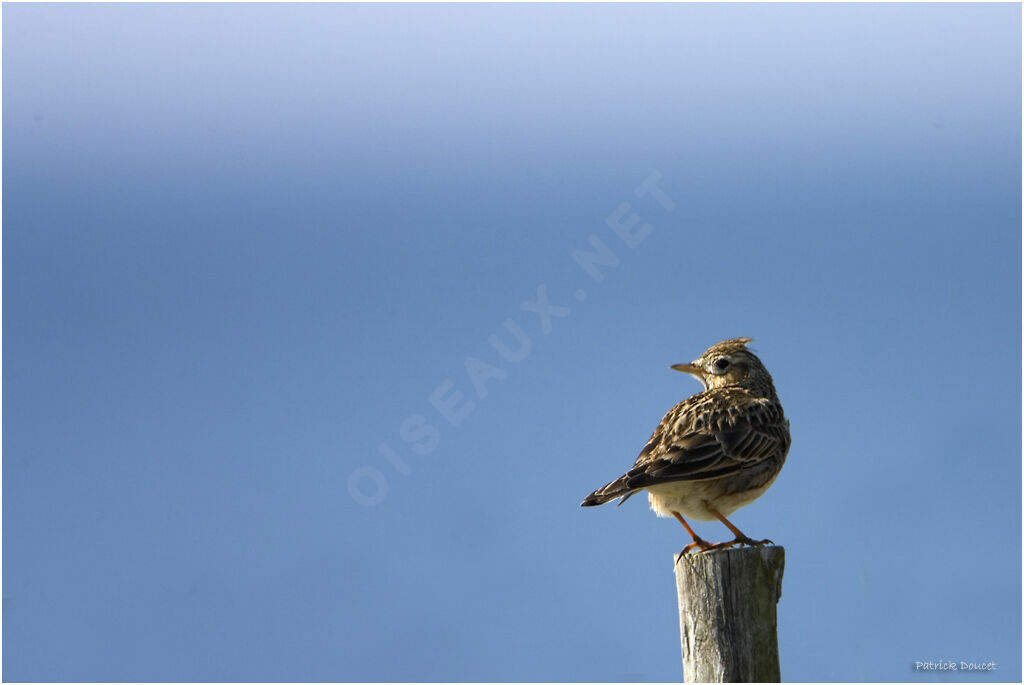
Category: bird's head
[730,364]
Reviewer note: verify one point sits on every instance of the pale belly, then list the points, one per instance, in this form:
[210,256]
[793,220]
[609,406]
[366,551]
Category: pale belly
[692,499]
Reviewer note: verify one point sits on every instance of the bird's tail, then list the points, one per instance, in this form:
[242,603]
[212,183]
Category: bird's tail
[614,490]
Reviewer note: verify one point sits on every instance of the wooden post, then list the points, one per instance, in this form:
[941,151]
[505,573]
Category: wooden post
[727,614]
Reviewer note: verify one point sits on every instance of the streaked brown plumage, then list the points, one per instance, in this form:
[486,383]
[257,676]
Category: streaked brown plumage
[714,452]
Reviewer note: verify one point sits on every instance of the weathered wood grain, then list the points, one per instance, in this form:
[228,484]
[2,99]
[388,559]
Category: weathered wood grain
[727,614]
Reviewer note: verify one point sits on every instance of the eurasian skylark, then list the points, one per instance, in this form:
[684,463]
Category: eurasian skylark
[714,452]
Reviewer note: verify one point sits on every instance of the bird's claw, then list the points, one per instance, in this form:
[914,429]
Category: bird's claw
[742,541]
[706,546]
[756,543]
[697,542]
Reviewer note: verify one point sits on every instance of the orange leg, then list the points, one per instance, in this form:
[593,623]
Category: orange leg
[741,539]
[697,541]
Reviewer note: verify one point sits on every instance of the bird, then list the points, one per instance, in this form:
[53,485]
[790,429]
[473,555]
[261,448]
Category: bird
[714,452]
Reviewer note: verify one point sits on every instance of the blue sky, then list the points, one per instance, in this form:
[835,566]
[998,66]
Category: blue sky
[245,245]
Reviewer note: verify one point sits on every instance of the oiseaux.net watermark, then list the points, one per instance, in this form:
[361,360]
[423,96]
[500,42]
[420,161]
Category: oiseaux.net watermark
[368,484]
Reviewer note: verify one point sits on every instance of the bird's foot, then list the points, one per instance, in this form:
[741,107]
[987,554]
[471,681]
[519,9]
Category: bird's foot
[741,540]
[704,546]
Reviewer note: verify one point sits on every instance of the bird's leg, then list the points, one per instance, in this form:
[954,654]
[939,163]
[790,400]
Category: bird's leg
[697,541]
[741,539]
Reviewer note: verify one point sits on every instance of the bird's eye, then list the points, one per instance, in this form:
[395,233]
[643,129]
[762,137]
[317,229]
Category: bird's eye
[721,364]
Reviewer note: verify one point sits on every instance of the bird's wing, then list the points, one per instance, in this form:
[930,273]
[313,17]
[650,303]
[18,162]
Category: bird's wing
[703,438]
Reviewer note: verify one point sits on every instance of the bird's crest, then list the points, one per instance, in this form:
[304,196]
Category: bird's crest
[733,345]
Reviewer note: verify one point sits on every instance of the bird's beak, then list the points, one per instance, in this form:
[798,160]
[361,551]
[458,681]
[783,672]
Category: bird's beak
[690,368]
